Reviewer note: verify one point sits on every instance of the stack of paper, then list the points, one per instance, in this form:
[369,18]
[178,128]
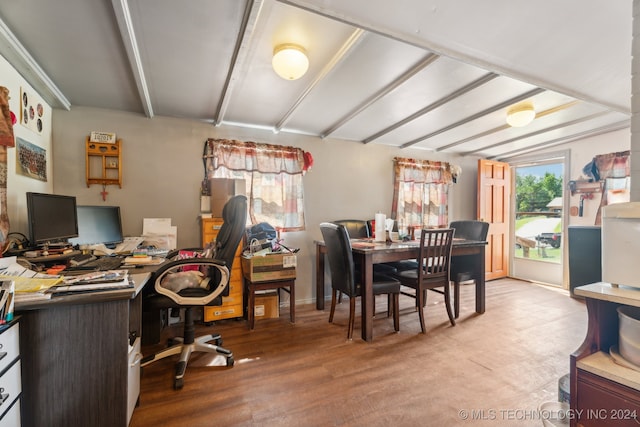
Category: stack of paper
[94,281]
[26,280]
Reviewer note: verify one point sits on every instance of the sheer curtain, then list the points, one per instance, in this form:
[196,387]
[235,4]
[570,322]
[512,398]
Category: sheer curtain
[421,191]
[273,176]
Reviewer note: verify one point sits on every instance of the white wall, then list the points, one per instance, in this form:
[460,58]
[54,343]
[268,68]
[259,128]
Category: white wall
[18,185]
[162,172]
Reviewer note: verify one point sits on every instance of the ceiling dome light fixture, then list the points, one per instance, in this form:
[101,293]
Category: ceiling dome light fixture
[290,61]
[521,114]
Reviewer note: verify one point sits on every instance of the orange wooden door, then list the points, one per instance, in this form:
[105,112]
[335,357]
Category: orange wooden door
[494,196]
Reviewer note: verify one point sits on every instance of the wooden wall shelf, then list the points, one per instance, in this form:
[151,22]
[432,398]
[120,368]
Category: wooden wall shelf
[104,163]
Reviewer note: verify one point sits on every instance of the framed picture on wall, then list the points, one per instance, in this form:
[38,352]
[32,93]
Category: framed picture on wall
[31,160]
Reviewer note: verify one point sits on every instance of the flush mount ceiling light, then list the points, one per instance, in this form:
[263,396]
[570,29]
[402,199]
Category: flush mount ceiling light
[521,114]
[290,61]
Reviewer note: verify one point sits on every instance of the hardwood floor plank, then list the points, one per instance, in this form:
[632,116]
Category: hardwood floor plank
[499,366]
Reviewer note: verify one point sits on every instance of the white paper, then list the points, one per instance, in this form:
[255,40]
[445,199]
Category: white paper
[156,226]
[380,227]
[10,267]
[160,233]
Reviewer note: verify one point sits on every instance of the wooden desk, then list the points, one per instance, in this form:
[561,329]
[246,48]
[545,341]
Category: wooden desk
[76,357]
[383,252]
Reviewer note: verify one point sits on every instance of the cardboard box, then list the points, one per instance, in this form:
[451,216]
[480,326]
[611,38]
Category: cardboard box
[266,306]
[221,190]
[269,267]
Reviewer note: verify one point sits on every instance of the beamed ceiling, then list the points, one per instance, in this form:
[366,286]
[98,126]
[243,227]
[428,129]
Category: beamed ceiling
[426,74]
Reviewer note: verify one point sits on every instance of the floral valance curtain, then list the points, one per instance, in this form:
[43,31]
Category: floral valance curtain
[273,176]
[255,157]
[421,191]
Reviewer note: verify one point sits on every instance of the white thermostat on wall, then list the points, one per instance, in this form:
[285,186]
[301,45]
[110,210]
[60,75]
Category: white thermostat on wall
[103,137]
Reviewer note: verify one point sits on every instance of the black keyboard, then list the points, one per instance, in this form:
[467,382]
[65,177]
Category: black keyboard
[101,264]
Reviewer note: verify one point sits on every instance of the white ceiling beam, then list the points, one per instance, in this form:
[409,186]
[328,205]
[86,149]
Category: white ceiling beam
[540,132]
[128,35]
[506,157]
[440,102]
[425,62]
[339,56]
[475,116]
[252,11]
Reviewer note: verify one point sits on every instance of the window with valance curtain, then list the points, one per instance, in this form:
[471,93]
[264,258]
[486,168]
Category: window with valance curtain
[421,191]
[273,176]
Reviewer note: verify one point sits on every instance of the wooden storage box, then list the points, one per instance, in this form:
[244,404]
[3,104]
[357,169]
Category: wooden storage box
[267,306]
[269,267]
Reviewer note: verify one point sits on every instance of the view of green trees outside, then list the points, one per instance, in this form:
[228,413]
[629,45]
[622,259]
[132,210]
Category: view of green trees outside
[538,226]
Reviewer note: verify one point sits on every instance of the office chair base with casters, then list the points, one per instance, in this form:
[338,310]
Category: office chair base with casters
[186,345]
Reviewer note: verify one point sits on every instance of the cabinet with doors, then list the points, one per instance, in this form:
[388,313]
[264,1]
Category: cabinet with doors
[232,304]
[103,163]
[605,389]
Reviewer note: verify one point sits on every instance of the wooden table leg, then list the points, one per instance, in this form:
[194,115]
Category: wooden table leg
[319,277]
[251,311]
[367,300]
[292,301]
[480,282]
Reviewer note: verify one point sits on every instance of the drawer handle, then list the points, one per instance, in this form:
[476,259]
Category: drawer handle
[3,396]
[137,358]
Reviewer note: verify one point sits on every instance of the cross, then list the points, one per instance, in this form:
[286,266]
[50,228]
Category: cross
[104,193]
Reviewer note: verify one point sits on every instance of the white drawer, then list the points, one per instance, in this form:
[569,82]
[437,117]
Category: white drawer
[10,386]
[9,346]
[133,389]
[12,417]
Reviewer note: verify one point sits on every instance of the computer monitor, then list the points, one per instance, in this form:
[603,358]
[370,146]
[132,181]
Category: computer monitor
[98,224]
[52,218]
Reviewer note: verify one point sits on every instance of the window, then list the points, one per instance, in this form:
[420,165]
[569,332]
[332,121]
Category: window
[421,192]
[273,176]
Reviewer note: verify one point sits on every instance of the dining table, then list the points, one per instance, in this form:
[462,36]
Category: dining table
[367,253]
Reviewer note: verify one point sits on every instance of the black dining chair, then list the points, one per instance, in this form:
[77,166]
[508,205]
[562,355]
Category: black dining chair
[463,266]
[346,280]
[431,272]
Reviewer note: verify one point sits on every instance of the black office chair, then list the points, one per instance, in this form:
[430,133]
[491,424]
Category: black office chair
[344,278]
[462,266]
[432,272]
[196,282]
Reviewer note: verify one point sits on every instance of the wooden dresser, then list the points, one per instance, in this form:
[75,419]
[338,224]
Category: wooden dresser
[603,392]
[232,305]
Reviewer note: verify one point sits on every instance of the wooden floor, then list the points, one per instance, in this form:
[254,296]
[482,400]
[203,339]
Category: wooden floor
[495,368]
